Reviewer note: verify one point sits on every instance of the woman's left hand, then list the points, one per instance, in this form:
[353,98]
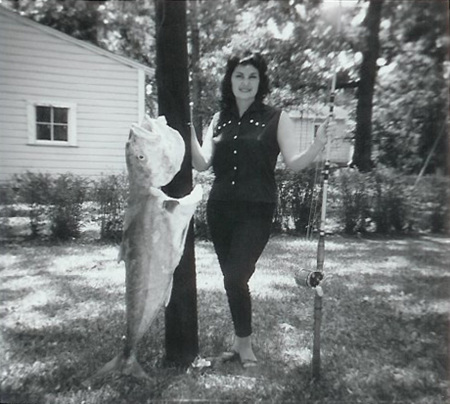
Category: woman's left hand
[326,130]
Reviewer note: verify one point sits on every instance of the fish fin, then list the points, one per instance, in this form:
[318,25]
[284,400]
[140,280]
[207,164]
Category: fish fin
[194,197]
[169,293]
[146,123]
[133,368]
[127,366]
[130,214]
[162,119]
[143,132]
[113,365]
[170,205]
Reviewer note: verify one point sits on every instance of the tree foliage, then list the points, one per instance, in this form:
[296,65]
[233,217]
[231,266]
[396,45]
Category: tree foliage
[412,91]
[304,44]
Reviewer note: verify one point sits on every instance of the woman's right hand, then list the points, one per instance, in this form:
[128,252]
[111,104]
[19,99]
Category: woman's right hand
[202,154]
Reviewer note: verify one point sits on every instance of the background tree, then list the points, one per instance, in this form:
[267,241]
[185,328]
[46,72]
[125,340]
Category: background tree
[362,157]
[80,19]
[301,42]
[196,83]
[411,97]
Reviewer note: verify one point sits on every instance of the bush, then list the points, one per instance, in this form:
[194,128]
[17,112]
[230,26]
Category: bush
[390,204]
[8,195]
[353,208]
[54,203]
[201,229]
[67,197]
[8,199]
[110,193]
[35,190]
[439,218]
[297,193]
[430,209]
[382,201]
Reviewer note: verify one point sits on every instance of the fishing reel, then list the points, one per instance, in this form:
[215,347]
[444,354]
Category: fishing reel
[309,279]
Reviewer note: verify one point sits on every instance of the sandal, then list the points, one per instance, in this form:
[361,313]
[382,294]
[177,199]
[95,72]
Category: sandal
[249,363]
[229,356]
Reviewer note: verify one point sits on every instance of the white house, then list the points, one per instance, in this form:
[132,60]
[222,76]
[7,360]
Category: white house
[65,105]
[307,120]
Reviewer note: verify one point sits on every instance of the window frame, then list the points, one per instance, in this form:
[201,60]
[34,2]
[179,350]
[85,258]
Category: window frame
[71,123]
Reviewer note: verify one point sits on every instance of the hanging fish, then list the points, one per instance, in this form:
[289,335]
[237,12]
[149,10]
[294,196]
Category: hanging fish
[154,233]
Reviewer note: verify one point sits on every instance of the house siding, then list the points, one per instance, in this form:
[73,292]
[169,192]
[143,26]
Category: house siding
[340,146]
[37,66]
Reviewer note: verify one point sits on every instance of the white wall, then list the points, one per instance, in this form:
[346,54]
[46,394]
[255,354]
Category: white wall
[34,66]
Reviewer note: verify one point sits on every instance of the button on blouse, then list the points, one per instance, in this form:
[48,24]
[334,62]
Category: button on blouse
[246,154]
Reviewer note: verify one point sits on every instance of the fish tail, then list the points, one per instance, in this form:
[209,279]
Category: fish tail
[125,365]
[110,367]
[133,368]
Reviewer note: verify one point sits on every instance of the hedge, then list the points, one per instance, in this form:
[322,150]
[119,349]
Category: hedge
[382,201]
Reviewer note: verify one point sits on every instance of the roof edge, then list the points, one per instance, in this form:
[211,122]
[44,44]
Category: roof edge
[78,42]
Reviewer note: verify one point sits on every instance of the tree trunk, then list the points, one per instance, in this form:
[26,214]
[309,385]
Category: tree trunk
[362,157]
[195,67]
[181,336]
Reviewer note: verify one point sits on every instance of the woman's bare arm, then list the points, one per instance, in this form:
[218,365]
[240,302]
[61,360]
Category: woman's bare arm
[295,160]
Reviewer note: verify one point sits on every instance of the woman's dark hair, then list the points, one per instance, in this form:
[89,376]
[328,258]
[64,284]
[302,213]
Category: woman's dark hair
[248,58]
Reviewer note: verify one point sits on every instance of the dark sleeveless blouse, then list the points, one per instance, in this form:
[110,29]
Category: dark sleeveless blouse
[246,154]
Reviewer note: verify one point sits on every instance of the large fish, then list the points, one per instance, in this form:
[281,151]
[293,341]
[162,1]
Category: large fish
[154,233]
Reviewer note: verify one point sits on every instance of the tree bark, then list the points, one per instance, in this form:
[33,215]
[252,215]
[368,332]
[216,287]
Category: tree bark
[181,334]
[362,157]
[195,67]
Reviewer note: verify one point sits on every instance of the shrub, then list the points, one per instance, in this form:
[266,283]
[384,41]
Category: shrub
[439,218]
[34,190]
[67,197]
[353,208]
[297,193]
[7,201]
[390,205]
[201,229]
[110,193]
[430,210]
[8,194]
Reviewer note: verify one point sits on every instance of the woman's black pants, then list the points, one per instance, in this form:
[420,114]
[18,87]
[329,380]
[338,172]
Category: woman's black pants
[239,231]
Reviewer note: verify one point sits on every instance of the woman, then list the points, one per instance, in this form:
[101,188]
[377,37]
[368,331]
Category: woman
[242,145]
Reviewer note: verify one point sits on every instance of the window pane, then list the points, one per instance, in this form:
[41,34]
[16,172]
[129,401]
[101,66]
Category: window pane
[60,132]
[43,132]
[42,114]
[60,115]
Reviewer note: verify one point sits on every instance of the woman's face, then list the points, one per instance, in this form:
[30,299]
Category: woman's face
[245,82]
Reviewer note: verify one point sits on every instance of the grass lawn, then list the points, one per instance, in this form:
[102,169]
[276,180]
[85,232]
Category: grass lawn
[384,333]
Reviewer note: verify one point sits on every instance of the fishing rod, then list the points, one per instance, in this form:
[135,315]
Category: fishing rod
[314,278]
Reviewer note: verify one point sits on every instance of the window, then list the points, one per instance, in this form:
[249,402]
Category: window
[51,124]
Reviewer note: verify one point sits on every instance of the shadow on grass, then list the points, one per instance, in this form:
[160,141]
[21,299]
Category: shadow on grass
[8,295]
[384,339]
[382,346]
[56,359]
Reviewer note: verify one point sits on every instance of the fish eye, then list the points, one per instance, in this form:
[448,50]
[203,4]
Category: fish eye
[141,157]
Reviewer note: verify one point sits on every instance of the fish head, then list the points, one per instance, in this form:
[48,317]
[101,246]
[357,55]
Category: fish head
[154,152]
